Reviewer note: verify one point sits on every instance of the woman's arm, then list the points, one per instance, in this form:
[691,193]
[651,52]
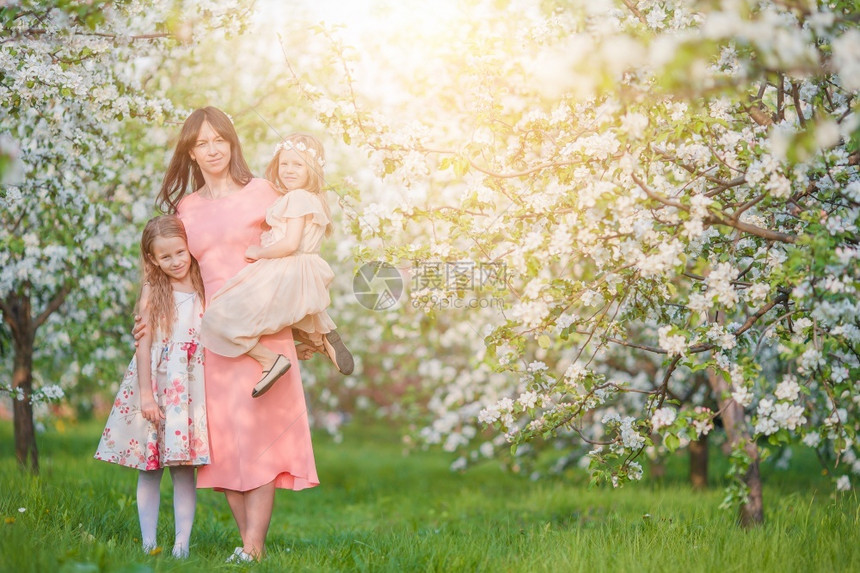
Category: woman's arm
[148,408]
[283,248]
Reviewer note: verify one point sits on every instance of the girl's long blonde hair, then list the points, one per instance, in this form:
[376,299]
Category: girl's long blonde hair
[311,151]
[162,308]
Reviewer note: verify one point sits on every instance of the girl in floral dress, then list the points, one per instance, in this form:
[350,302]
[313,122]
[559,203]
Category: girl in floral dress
[159,415]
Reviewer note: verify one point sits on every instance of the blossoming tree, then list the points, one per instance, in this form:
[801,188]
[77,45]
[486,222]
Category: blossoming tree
[673,180]
[72,83]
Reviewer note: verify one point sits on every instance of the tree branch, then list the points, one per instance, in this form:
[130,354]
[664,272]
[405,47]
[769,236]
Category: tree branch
[40,31]
[57,301]
[693,171]
[795,96]
[653,349]
[664,386]
[752,229]
[635,10]
[736,215]
[753,318]
[726,185]
[656,196]
[780,98]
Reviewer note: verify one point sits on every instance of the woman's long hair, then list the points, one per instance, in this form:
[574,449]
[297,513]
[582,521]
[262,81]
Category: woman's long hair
[162,307]
[182,169]
[311,151]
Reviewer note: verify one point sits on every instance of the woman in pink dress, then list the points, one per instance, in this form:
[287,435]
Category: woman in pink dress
[257,445]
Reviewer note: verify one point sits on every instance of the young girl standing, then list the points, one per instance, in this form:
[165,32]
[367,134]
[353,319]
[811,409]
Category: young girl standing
[159,415]
[288,283]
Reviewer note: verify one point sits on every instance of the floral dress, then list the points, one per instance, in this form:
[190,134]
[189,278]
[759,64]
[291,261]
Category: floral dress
[182,437]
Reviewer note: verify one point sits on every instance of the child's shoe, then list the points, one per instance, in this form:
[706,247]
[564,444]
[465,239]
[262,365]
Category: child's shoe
[270,376]
[337,351]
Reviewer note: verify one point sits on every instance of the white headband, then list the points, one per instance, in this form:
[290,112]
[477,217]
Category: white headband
[299,146]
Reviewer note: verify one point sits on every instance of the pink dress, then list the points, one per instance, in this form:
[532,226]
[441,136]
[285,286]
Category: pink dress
[252,441]
[272,294]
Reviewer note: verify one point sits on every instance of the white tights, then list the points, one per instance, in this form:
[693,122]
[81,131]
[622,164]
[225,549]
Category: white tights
[184,503]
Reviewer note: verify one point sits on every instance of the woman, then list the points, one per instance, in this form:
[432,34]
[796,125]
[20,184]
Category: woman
[257,445]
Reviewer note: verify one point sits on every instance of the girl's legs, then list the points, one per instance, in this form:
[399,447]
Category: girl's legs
[148,499]
[184,504]
[263,355]
[252,511]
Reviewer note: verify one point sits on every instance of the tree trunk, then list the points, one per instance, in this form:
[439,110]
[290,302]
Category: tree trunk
[16,314]
[699,463]
[752,512]
[25,429]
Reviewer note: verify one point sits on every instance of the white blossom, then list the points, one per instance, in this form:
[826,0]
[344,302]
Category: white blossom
[742,395]
[489,415]
[758,292]
[788,389]
[663,417]
[537,366]
[634,471]
[674,345]
[528,400]
[630,438]
[846,57]
[52,392]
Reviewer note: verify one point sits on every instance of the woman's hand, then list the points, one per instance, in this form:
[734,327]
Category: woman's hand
[252,253]
[304,352]
[139,329]
[150,410]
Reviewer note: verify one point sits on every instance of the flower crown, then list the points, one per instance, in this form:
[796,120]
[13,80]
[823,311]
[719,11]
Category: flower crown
[299,146]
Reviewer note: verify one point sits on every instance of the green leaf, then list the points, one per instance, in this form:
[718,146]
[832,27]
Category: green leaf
[672,442]
[461,166]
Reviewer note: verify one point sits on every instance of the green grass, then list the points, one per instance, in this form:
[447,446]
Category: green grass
[380,511]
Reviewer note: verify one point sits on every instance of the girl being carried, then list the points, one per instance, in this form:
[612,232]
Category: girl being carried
[287,284]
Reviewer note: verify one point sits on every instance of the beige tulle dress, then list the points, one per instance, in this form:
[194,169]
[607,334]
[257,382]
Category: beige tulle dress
[271,294]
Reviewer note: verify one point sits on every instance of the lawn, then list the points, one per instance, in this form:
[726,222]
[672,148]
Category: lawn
[378,510]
